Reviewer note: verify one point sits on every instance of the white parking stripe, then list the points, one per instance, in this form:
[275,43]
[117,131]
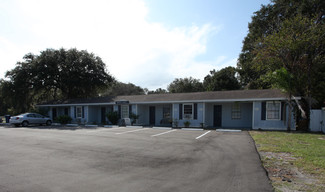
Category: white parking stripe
[132,131]
[163,133]
[202,135]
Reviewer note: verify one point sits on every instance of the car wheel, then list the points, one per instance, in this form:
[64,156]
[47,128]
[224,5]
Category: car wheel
[25,123]
[48,122]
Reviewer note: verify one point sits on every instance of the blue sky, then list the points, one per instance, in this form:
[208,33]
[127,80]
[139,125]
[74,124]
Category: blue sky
[231,16]
[145,42]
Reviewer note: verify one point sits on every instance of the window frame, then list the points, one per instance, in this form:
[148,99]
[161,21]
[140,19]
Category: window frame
[236,111]
[167,112]
[267,110]
[77,113]
[185,114]
[32,115]
[125,113]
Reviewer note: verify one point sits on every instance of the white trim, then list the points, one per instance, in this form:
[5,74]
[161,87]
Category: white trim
[172,102]
[273,102]
[233,106]
[128,111]
[192,115]
[78,107]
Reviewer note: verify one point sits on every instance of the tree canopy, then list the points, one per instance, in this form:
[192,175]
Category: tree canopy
[158,91]
[224,79]
[54,74]
[285,49]
[119,88]
[266,21]
[185,85]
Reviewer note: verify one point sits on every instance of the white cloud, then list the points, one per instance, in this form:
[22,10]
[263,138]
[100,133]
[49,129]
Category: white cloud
[135,50]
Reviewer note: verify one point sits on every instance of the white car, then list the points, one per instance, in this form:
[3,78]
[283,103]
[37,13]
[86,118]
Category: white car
[29,118]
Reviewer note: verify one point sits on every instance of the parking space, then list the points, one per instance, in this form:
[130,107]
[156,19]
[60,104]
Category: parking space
[145,132]
[140,133]
[128,159]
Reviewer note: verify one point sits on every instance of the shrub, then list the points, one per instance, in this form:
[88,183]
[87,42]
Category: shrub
[187,123]
[113,117]
[64,119]
[134,118]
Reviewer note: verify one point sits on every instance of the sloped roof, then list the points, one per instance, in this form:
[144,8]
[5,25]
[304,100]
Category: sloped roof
[215,96]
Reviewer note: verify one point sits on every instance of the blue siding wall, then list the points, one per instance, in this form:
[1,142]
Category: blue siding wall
[194,122]
[227,122]
[94,114]
[266,124]
[143,111]
[246,116]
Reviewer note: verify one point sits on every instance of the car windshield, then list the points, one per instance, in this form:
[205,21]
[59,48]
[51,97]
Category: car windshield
[39,116]
[23,114]
[31,115]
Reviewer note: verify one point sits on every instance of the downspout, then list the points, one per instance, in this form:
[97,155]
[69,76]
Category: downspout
[136,113]
[203,118]
[289,114]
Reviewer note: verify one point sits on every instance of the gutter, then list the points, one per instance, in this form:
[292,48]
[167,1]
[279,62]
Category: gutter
[171,102]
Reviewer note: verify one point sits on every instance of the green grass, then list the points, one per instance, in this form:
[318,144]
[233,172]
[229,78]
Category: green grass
[307,148]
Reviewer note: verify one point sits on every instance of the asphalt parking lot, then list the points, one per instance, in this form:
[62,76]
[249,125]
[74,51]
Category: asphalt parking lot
[128,159]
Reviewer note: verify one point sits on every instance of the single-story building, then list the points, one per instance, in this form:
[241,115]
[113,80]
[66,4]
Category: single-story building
[251,109]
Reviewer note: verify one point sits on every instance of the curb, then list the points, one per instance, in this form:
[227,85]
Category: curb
[91,125]
[261,164]
[165,128]
[192,129]
[228,130]
[111,126]
[72,125]
[130,126]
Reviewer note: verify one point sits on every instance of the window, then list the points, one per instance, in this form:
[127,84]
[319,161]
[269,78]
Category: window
[166,112]
[124,111]
[38,116]
[66,111]
[188,111]
[273,110]
[79,112]
[31,115]
[235,111]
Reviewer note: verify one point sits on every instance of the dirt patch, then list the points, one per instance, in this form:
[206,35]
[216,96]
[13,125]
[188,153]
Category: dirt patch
[284,175]
[321,138]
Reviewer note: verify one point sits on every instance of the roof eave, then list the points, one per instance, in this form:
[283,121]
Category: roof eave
[170,102]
